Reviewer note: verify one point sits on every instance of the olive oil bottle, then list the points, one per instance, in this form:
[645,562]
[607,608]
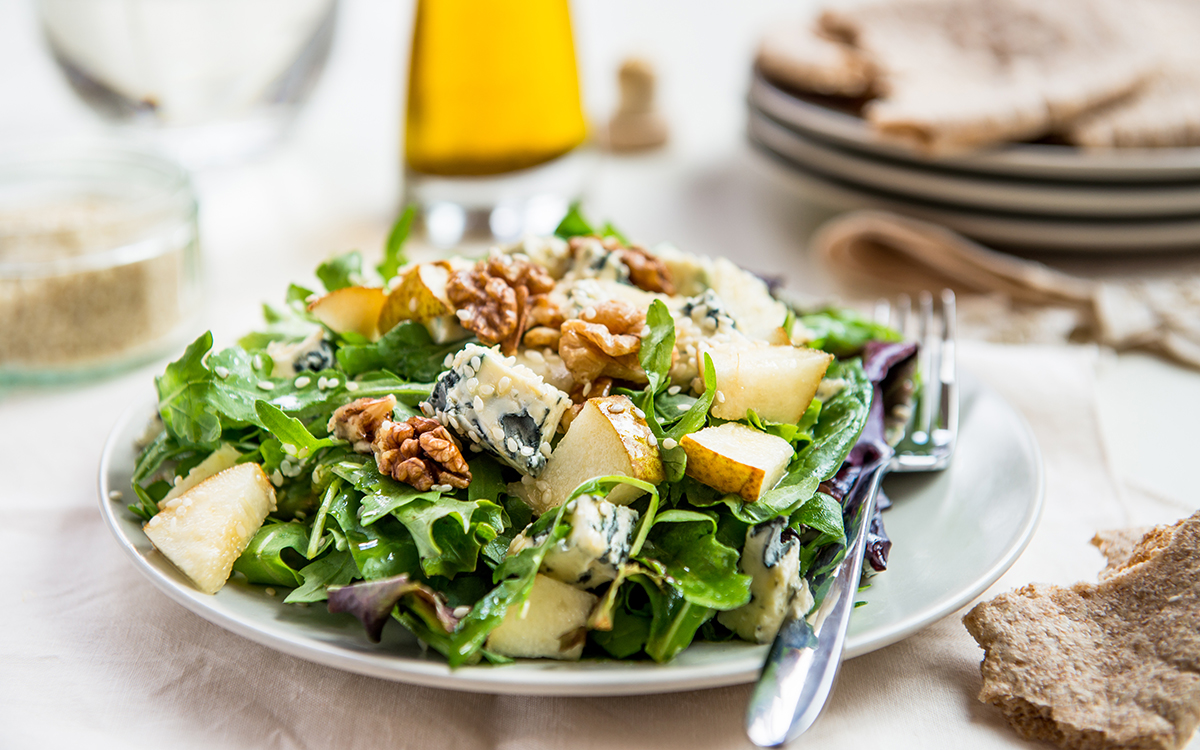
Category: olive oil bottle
[493,87]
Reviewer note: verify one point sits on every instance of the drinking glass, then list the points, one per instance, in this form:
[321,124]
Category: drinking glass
[208,80]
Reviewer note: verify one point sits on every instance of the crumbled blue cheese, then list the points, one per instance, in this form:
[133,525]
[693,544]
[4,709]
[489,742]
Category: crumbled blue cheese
[313,354]
[592,260]
[597,545]
[702,321]
[499,406]
[773,563]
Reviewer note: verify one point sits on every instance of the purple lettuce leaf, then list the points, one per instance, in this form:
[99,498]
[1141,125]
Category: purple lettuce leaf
[372,602]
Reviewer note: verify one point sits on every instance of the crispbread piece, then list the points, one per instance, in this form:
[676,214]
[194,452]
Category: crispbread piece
[1109,665]
[799,56]
[1118,545]
[958,74]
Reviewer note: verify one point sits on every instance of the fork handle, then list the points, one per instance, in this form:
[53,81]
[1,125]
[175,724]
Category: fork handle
[802,666]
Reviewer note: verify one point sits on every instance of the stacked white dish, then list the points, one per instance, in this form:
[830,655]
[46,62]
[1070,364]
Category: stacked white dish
[1022,196]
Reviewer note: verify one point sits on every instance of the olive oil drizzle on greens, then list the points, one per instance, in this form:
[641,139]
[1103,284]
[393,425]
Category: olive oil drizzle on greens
[339,521]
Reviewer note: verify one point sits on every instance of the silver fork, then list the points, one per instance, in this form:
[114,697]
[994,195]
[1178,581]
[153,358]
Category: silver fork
[802,665]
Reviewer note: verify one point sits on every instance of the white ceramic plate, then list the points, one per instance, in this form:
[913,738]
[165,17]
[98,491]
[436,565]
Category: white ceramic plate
[970,191]
[954,533]
[1019,160]
[1035,234]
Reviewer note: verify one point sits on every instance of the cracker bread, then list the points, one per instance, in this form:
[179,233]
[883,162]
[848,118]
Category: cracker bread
[957,74]
[1166,111]
[798,56]
[1109,665]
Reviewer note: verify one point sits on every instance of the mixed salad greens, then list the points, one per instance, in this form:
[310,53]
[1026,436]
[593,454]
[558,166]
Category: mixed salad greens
[697,540]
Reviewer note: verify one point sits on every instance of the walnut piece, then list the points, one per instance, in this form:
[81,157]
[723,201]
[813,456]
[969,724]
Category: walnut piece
[598,388]
[604,341]
[646,271]
[495,297]
[420,452]
[358,420]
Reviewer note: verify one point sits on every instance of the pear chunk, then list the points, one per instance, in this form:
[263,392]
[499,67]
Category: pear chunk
[351,309]
[421,296]
[735,458]
[777,382]
[219,460]
[551,624]
[607,437]
[204,530]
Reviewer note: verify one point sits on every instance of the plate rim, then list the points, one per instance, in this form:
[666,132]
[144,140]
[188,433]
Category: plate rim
[977,192]
[558,678]
[1029,160]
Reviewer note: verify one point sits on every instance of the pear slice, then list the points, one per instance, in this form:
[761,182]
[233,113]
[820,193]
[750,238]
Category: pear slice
[351,309]
[777,382]
[550,624]
[735,458]
[204,530]
[219,460]
[608,437]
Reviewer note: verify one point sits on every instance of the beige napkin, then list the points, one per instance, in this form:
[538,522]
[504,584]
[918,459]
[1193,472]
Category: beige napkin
[92,655]
[1160,315]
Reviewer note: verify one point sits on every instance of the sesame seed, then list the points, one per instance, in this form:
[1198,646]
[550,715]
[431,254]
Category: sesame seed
[472,384]
[486,390]
[270,591]
[449,360]
[616,407]
[674,390]
[477,402]
[277,478]
[475,363]
[333,382]
[545,449]
[426,409]
[670,444]
[527,450]
[115,495]
[352,386]
[503,385]
[587,388]
[641,414]
[536,356]
[462,315]
[682,407]
[461,611]
[266,385]
[322,384]
[511,444]
[588,313]
[289,449]
[301,515]
[475,447]
[302,381]
[222,372]
[720,397]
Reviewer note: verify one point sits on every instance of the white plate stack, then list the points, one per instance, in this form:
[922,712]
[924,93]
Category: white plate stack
[1022,196]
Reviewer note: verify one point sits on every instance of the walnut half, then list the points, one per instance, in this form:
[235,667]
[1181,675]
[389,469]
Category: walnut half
[420,452]
[357,421]
[604,341]
[495,297]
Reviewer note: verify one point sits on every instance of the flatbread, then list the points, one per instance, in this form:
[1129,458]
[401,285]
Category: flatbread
[798,56]
[1109,665]
[1166,111]
[957,74]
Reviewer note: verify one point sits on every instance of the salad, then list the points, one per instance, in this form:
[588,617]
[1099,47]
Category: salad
[572,446]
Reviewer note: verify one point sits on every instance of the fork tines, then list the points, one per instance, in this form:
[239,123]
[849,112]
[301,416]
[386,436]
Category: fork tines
[935,424]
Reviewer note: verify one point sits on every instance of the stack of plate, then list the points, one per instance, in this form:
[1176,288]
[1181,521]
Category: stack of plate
[1034,196]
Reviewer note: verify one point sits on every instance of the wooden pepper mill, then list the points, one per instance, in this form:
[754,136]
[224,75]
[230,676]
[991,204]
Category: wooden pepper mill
[636,125]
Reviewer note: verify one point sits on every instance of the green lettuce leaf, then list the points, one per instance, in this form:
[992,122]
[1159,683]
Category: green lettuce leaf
[266,558]
[393,249]
[341,271]
[406,350]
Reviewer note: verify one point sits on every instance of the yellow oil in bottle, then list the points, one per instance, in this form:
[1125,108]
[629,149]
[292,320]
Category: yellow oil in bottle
[492,88]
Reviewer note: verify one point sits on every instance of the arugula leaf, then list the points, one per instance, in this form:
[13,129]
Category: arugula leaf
[393,249]
[844,332]
[657,349]
[573,224]
[289,431]
[824,514]
[674,622]
[184,391]
[341,271]
[448,532]
[407,350]
[335,569]
[675,459]
[703,570]
[264,561]
[628,633]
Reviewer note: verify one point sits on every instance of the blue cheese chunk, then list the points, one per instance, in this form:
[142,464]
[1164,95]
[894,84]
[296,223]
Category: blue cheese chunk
[498,406]
[773,563]
[313,354]
[597,545]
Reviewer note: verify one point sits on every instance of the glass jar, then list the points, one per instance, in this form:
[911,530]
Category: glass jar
[99,265]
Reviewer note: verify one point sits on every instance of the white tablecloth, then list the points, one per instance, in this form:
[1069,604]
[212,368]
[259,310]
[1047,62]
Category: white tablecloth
[92,656]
